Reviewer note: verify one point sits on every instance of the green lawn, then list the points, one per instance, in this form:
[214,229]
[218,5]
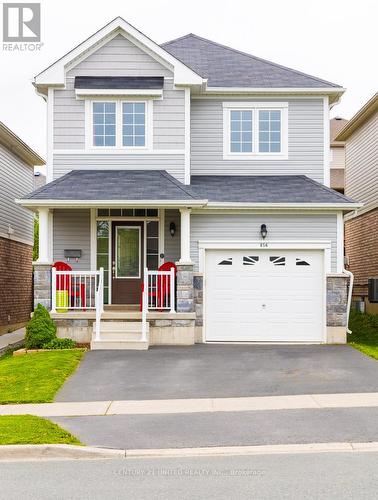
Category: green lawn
[27,429]
[36,377]
[364,336]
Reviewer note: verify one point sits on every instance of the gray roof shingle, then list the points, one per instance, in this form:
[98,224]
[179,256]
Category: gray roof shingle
[264,189]
[114,185]
[129,185]
[228,67]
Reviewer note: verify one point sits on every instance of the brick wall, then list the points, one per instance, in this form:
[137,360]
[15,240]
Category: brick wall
[361,248]
[15,283]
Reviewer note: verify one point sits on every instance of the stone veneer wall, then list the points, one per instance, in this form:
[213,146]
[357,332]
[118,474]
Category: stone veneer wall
[15,283]
[198,298]
[42,285]
[337,298]
[184,288]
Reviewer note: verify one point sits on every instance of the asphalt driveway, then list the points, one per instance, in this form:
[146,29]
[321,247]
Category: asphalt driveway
[223,371]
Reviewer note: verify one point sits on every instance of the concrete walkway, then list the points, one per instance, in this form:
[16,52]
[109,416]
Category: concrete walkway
[206,405]
[13,339]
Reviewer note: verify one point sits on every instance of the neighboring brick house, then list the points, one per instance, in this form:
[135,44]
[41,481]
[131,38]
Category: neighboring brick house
[337,155]
[17,162]
[361,183]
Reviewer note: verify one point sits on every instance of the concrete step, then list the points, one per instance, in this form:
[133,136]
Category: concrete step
[120,336]
[119,345]
[119,326]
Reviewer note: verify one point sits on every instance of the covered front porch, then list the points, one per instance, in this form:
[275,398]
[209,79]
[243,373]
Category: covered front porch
[119,277]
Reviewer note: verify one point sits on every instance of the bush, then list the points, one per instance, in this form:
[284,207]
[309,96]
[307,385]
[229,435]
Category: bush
[364,328]
[40,330]
[59,343]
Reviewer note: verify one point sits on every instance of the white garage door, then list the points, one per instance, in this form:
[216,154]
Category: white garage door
[264,296]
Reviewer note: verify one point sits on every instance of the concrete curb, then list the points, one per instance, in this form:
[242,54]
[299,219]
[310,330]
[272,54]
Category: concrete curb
[25,452]
[21,453]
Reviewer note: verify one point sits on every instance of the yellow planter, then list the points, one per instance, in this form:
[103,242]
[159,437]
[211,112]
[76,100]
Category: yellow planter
[62,301]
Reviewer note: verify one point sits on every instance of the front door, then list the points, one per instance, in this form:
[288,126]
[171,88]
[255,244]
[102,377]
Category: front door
[127,262]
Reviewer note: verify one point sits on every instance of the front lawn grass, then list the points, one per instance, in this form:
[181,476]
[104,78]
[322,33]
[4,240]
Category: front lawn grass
[364,336]
[35,377]
[28,429]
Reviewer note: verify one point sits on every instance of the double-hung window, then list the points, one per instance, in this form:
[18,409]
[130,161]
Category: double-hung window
[255,129]
[120,124]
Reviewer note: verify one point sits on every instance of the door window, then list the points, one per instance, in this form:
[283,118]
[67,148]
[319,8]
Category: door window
[127,252]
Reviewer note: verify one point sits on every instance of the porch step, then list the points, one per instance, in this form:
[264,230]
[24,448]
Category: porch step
[119,335]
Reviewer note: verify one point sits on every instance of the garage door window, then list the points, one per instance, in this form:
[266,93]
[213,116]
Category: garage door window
[278,261]
[301,262]
[225,262]
[250,260]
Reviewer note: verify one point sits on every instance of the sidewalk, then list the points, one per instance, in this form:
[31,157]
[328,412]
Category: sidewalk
[206,405]
[10,340]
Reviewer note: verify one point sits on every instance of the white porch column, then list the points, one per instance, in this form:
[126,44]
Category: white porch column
[44,233]
[185,236]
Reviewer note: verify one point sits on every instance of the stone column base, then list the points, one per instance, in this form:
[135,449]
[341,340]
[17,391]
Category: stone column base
[184,288]
[42,285]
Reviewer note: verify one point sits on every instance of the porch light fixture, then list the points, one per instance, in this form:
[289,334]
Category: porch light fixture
[172,228]
[263,231]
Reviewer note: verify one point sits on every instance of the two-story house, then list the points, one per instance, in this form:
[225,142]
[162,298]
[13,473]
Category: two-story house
[17,162]
[193,153]
[360,135]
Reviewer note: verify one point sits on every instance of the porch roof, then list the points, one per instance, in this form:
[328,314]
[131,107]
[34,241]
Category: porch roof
[157,188]
[135,187]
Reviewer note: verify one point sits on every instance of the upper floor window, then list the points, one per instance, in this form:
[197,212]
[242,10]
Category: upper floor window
[104,123]
[119,124]
[255,129]
[134,124]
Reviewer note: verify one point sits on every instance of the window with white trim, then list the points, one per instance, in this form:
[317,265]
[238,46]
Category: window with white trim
[255,129]
[104,123]
[117,123]
[134,124]
[270,131]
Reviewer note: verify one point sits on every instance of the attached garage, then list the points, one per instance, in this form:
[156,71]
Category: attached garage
[264,295]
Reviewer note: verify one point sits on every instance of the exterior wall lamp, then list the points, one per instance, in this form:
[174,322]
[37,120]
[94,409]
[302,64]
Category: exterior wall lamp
[172,228]
[263,231]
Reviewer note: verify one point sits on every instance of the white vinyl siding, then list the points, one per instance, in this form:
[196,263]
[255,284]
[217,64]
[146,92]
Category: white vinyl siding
[119,57]
[361,158]
[172,243]
[305,141]
[16,181]
[168,114]
[172,163]
[71,231]
[285,227]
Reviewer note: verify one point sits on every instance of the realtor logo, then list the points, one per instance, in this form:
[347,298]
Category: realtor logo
[21,22]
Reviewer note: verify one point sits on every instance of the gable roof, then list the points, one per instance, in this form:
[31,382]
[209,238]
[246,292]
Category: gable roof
[227,67]
[18,147]
[359,118]
[55,73]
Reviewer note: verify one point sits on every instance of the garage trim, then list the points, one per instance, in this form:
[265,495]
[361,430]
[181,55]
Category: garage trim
[324,245]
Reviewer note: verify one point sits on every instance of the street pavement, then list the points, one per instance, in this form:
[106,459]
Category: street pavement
[295,476]
[188,430]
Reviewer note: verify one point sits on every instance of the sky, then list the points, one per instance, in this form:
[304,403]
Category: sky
[335,40]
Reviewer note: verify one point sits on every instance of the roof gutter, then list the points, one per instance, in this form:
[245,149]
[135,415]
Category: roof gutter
[347,207]
[35,203]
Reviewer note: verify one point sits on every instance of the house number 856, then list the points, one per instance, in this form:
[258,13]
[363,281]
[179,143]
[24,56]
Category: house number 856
[263,245]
